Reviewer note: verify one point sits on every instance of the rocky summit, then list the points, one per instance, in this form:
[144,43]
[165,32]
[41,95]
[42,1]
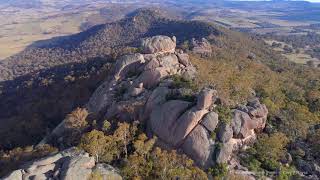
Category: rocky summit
[143,87]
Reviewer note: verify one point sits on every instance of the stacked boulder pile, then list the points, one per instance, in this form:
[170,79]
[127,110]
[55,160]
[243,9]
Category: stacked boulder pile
[70,164]
[146,86]
[143,89]
[135,77]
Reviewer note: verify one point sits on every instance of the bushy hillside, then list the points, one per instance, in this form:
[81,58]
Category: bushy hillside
[36,96]
[290,91]
[100,41]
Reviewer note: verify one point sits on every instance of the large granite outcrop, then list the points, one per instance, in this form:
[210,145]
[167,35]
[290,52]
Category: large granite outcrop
[70,164]
[158,44]
[142,89]
[125,92]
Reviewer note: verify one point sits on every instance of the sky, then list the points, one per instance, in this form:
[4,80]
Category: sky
[313,0]
[317,1]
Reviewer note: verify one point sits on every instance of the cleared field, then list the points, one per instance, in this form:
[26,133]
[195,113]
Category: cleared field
[15,35]
[300,58]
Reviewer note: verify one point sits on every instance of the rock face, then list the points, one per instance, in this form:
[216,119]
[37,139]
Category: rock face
[158,44]
[163,117]
[252,116]
[202,47]
[66,165]
[210,121]
[142,89]
[128,64]
[124,94]
[199,146]
[225,133]
[107,172]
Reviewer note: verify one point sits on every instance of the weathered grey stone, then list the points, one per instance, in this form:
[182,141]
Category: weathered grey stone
[42,170]
[126,110]
[72,163]
[15,175]
[149,57]
[198,147]
[260,112]
[126,64]
[77,168]
[205,99]
[254,102]
[47,160]
[185,124]
[136,91]
[242,124]
[247,118]
[243,108]
[210,121]
[101,98]
[169,61]
[225,133]
[40,177]
[316,168]
[184,59]
[224,152]
[202,46]
[151,78]
[164,118]
[107,172]
[74,152]
[189,72]
[154,63]
[158,44]
[157,98]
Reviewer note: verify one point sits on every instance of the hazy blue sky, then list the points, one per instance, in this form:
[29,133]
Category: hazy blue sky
[292,0]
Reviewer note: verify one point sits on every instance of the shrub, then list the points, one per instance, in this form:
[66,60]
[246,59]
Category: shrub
[96,144]
[213,135]
[269,149]
[225,114]
[286,173]
[185,96]
[219,170]
[147,162]
[106,148]
[95,176]
[77,119]
[296,119]
[106,125]
[181,82]
[266,152]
